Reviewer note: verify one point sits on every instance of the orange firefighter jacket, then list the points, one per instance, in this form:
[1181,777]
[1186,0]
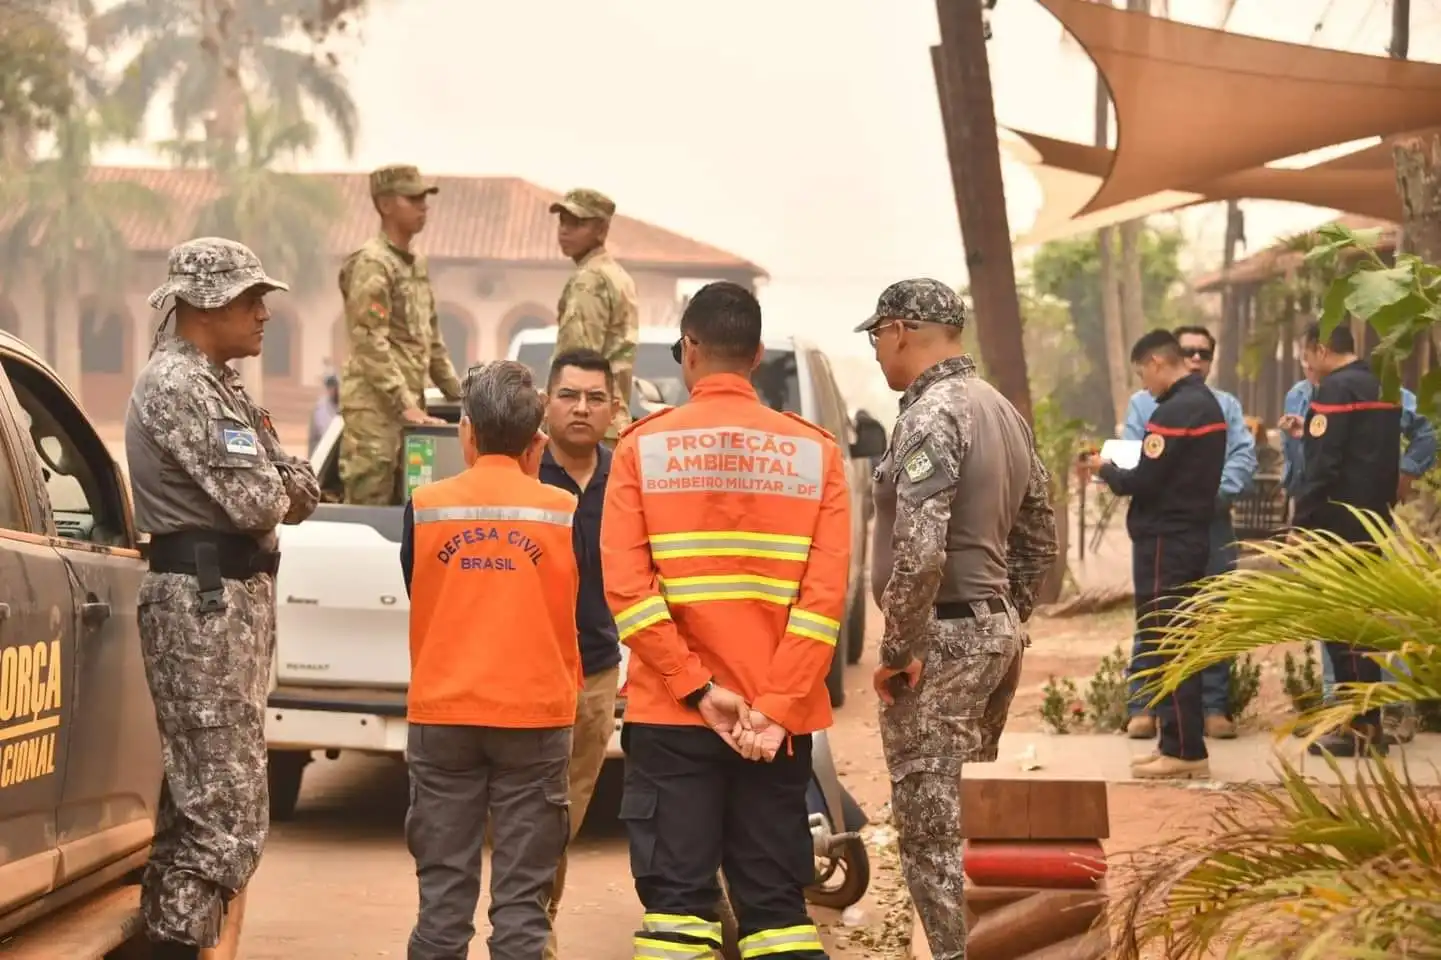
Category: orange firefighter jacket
[492,601]
[726,544]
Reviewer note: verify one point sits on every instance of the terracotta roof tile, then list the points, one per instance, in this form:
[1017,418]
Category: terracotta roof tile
[1275,261]
[503,219]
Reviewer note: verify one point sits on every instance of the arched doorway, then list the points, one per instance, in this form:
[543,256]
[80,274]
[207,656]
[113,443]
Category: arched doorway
[458,332]
[105,358]
[528,316]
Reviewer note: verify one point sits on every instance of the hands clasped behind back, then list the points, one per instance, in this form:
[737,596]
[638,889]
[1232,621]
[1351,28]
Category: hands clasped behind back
[746,731]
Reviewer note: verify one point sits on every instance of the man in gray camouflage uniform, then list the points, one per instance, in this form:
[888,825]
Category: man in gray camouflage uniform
[964,536]
[210,484]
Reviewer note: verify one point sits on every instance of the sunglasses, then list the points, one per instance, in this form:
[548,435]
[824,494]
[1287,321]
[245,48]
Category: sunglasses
[675,348]
[1199,353]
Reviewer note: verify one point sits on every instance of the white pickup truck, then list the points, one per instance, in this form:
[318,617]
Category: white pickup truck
[342,657]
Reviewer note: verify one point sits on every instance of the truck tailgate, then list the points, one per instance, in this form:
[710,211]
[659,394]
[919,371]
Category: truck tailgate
[342,614]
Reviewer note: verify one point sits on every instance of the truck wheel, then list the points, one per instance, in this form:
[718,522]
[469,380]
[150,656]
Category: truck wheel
[836,679]
[284,771]
[856,629]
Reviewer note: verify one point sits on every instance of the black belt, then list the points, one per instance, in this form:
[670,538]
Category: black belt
[962,609]
[210,557]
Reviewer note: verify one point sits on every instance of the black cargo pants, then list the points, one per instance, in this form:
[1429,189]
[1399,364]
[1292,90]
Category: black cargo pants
[1166,569]
[693,806]
[459,775]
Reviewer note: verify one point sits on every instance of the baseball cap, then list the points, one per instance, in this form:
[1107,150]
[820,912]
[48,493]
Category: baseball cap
[210,272]
[401,180]
[585,204]
[921,300]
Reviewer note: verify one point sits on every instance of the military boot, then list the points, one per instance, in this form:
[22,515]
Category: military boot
[1163,767]
[1219,727]
[1141,759]
[1141,727]
[1356,742]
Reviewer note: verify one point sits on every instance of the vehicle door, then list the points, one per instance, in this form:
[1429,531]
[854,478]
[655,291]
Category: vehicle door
[113,769]
[37,656]
[831,407]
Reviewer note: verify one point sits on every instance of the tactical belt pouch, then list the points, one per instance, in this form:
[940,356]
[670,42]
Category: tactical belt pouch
[962,610]
[210,558]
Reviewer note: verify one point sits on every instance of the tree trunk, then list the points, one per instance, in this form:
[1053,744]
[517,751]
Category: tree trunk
[1117,349]
[1229,346]
[227,122]
[1133,314]
[968,115]
[1418,179]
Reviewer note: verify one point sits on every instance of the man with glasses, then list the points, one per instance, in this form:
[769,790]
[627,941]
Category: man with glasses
[580,405]
[1198,349]
[964,536]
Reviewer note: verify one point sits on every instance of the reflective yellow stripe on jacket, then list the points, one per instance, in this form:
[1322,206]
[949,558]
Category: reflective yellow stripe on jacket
[729,543]
[638,616]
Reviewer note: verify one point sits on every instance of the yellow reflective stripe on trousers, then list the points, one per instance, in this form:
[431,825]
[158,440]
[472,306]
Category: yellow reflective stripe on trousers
[806,624]
[648,949]
[686,926]
[638,616]
[730,543]
[729,587]
[497,514]
[764,943]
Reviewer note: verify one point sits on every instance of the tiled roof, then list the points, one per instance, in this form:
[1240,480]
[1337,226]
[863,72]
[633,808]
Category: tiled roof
[503,219]
[1275,261]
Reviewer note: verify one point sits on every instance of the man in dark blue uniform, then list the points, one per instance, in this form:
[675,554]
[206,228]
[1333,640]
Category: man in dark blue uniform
[1173,492]
[1351,438]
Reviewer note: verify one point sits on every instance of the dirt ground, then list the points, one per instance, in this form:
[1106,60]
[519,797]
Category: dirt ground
[337,882]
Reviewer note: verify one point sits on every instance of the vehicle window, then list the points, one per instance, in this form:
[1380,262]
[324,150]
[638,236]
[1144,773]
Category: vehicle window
[775,379]
[78,471]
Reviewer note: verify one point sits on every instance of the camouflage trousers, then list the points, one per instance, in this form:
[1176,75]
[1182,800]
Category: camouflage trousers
[370,458]
[209,675]
[954,715]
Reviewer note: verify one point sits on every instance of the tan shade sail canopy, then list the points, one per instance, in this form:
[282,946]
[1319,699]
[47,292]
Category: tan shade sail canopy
[1194,105]
[1362,183]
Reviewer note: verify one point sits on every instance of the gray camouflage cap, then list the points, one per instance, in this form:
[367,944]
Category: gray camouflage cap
[585,204]
[210,272]
[921,300]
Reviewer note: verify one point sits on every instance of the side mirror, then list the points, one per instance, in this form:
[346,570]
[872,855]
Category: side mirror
[870,437]
[648,391]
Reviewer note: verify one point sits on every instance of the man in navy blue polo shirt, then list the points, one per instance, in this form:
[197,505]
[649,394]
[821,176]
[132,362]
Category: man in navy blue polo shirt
[581,402]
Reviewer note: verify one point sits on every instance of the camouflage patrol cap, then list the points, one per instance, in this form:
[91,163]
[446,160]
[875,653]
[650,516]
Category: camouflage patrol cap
[585,204]
[210,272]
[401,180]
[921,300]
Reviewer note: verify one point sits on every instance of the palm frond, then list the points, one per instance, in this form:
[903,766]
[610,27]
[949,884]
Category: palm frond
[292,75]
[1308,871]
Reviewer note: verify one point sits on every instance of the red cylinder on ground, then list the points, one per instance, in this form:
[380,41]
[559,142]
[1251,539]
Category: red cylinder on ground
[1058,865]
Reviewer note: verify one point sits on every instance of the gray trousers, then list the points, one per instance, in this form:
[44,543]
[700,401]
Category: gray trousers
[459,775]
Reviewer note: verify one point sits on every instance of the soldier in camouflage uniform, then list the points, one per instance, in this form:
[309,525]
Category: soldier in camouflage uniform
[598,308]
[210,484]
[964,535]
[395,341]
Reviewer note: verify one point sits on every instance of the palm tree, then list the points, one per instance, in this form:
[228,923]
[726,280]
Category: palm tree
[207,52]
[1298,871]
[68,226]
[285,217]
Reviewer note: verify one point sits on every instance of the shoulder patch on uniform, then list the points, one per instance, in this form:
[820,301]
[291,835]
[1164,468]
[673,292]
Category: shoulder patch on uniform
[240,441]
[377,310]
[630,427]
[1153,446]
[814,426]
[1317,427]
[918,466]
